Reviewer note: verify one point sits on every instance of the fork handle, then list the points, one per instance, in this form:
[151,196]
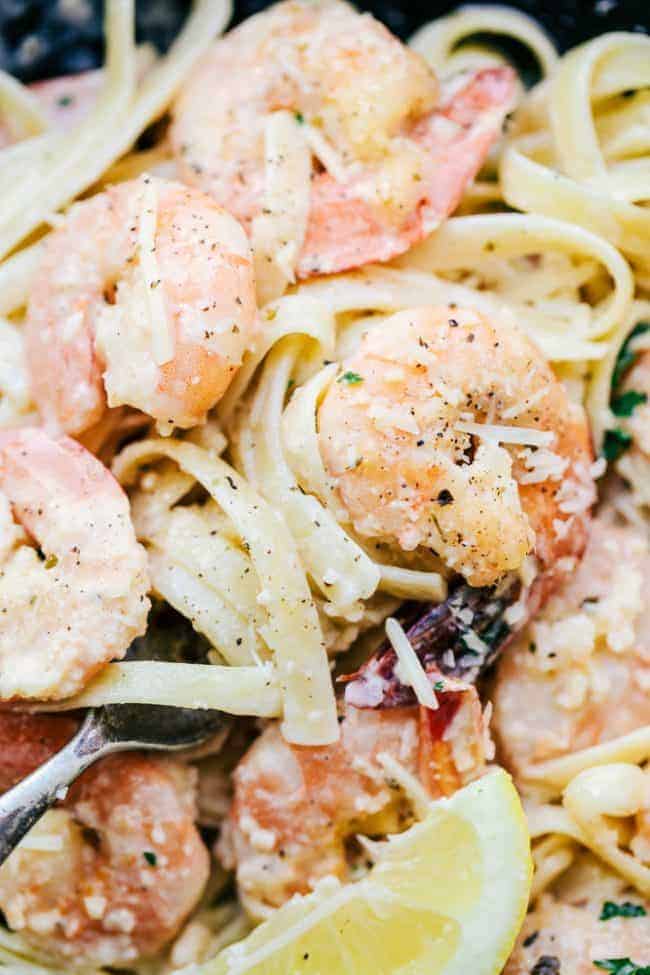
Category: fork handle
[24,805]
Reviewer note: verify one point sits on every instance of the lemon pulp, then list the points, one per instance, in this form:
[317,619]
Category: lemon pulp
[446,897]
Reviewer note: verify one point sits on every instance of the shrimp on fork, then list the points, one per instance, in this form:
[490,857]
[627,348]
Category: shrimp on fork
[395,150]
[66,612]
[109,876]
[145,299]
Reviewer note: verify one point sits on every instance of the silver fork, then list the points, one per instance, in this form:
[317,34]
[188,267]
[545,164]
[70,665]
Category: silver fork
[113,728]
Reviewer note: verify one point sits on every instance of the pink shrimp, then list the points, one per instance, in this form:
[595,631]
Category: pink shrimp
[566,932]
[63,103]
[401,432]
[144,298]
[397,152]
[580,674]
[126,864]
[296,809]
[65,616]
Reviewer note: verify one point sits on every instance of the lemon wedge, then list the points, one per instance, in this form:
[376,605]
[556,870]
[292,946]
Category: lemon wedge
[446,897]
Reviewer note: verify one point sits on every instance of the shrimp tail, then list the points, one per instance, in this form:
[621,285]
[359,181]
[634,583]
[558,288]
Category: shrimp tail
[458,638]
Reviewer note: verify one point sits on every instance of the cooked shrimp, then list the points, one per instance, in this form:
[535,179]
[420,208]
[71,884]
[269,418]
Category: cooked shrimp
[580,674]
[109,876]
[63,616]
[63,103]
[145,298]
[28,740]
[411,432]
[295,808]
[565,932]
[395,153]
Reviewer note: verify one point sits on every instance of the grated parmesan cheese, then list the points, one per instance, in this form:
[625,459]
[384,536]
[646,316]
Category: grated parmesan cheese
[95,907]
[409,669]
[328,156]
[542,465]
[162,341]
[474,643]
[279,231]
[526,436]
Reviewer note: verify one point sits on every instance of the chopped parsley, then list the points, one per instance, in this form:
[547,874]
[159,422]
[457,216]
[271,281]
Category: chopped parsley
[466,647]
[439,685]
[627,356]
[621,966]
[616,442]
[626,909]
[351,378]
[65,100]
[150,857]
[299,117]
[626,403]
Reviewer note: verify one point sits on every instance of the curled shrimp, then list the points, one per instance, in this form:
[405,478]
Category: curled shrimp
[579,675]
[297,810]
[448,432]
[144,298]
[67,613]
[109,876]
[569,926]
[394,151]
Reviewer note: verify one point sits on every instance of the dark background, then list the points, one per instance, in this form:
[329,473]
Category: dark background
[43,38]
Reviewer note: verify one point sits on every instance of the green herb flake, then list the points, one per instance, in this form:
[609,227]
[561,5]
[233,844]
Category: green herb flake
[351,378]
[439,685]
[466,647]
[626,403]
[150,857]
[51,561]
[299,117]
[627,909]
[627,356]
[291,384]
[621,966]
[65,101]
[616,442]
